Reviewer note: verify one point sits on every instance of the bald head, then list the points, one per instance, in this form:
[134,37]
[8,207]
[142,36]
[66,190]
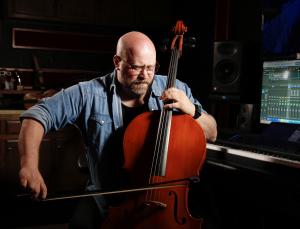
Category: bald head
[135,45]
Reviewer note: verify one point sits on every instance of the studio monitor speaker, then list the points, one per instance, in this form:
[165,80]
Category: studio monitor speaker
[227,67]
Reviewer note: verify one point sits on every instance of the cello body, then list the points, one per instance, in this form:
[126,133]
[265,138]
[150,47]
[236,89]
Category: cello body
[162,207]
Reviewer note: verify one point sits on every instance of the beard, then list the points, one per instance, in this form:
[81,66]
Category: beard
[139,87]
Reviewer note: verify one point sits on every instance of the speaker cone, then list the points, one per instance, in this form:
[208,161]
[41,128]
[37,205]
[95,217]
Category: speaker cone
[226,71]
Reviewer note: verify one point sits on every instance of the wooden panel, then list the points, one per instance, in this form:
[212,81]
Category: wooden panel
[12,126]
[76,10]
[223,20]
[32,8]
[10,166]
[57,40]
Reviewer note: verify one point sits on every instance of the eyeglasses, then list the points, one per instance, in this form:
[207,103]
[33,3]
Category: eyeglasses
[136,69]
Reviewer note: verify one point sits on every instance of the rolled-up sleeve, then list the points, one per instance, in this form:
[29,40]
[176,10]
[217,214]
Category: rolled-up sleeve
[55,112]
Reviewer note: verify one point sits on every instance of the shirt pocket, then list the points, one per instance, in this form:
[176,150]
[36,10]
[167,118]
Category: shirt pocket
[101,119]
[100,129]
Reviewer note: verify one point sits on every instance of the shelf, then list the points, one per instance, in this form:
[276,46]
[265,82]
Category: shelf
[18,92]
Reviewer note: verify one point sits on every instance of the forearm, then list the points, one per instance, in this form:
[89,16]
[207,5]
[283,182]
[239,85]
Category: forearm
[206,121]
[30,138]
[209,126]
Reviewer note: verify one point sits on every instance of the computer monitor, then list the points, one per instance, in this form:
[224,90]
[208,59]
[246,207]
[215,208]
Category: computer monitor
[280,92]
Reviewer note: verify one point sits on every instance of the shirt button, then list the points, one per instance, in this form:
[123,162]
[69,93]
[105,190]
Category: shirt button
[101,122]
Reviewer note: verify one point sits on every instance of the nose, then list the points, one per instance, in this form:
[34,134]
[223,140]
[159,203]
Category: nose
[143,72]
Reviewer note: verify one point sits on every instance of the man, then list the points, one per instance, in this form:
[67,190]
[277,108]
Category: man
[102,108]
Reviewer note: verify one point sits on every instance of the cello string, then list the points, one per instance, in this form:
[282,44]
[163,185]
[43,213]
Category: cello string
[166,113]
[167,120]
[174,74]
[153,170]
[161,124]
[165,127]
[172,68]
[156,161]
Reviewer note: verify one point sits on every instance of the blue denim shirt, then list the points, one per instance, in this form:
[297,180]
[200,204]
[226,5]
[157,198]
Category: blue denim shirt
[95,108]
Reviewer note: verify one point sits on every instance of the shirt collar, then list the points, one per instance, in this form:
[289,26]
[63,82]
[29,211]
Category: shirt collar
[113,78]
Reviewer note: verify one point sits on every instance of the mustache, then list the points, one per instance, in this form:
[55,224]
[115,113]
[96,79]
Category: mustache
[137,82]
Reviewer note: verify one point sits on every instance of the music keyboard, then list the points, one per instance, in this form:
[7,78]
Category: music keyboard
[261,156]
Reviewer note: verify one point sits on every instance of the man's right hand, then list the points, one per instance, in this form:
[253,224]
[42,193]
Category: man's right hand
[32,179]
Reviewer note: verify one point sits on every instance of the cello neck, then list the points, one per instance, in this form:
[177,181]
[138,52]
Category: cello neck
[172,73]
[164,127]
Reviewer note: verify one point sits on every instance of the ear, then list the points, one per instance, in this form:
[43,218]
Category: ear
[116,60]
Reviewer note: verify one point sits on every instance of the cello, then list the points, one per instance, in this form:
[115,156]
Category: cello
[162,150]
